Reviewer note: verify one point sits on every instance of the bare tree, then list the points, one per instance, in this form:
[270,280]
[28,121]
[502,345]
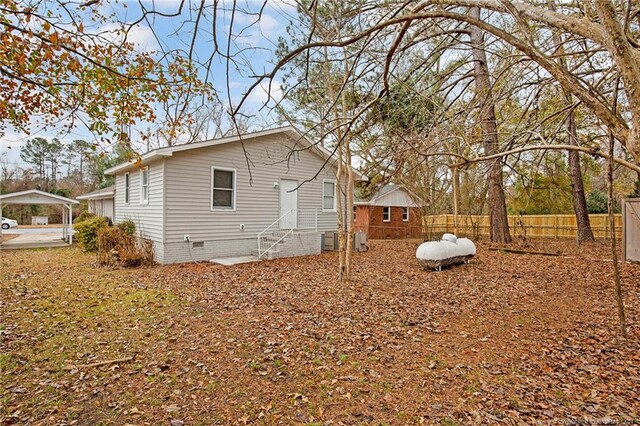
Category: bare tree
[499,223]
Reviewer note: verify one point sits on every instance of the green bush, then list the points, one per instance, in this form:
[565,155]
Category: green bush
[128,226]
[87,232]
[84,216]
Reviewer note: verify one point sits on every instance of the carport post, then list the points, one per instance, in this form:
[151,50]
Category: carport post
[70,224]
[64,222]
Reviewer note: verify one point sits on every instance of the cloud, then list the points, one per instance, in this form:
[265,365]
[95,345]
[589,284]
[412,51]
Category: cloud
[266,94]
[141,36]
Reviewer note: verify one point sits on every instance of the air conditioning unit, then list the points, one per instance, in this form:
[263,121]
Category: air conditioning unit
[331,242]
[360,241]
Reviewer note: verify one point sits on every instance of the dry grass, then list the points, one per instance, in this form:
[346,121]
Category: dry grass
[508,339]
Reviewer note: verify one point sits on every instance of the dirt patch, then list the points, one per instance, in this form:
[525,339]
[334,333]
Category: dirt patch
[7,237]
[506,339]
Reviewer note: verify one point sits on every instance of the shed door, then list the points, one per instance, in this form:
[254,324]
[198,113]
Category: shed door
[631,229]
[288,202]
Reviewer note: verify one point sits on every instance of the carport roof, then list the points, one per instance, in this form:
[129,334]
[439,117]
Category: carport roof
[34,196]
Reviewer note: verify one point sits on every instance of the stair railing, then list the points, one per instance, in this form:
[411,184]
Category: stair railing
[269,238]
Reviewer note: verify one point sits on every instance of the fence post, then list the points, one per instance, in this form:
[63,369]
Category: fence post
[556,226]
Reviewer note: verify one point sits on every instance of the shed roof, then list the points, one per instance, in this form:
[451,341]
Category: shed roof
[35,196]
[290,131]
[99,194]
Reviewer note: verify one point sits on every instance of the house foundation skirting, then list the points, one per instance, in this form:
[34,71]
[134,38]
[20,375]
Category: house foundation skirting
[297,244]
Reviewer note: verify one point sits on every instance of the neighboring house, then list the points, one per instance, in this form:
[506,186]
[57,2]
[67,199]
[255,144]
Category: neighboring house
[267,194]
[101,202]
[391,212]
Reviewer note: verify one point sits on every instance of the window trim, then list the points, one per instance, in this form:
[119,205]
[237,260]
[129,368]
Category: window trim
[407,210]
[383,215]
[234,190]
[335,195]
[127,188]
[144,201]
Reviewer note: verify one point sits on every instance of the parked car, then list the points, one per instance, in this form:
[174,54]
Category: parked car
[9,223]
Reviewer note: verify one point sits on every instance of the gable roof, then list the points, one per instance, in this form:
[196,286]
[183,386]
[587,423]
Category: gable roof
[290,131]
[383,192]
[98,194]
[34,196]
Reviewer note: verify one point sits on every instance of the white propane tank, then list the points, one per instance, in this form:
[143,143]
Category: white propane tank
[449,251]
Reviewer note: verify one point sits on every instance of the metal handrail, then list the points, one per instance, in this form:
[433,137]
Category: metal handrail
[275,243]
[311,222]
[274,223]
[265,230]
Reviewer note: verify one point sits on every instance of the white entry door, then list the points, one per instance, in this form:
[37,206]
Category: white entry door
[288,201]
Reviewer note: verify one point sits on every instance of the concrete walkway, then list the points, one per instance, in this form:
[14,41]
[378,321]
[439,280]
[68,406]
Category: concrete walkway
[228,261]
[34,240]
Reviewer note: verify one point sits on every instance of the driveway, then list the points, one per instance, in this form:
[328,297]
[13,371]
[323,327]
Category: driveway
[33,230]
[33,238]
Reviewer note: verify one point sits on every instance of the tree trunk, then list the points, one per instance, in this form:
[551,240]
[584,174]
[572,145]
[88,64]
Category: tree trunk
[344,168]
[614,248]
[456,197]
[577,186]
[499,223]
[348,208]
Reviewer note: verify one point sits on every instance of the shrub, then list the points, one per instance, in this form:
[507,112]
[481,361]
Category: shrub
[128,226]
[84,216]
[87,232]
[116,246]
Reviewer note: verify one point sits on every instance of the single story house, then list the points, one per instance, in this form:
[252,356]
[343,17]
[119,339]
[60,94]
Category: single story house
[101,201]
[391,212]
[268,194]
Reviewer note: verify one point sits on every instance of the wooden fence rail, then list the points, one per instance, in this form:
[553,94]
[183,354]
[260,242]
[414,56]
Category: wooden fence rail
[531,226]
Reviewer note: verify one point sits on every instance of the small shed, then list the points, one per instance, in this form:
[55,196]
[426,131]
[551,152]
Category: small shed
[34,196]
[631,230]
[39,220]
[101,202]
[390,213]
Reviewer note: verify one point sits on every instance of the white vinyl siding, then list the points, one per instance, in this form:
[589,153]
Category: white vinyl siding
[144,185]
[147,217]
[386,214]
[405,214]
[329,195]
[127,188]
[223,189]
[397,198]
[188,207]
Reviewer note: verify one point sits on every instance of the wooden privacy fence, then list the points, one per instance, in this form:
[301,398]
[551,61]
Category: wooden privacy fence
[534,226]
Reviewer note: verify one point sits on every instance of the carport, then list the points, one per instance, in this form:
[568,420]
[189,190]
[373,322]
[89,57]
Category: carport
[34,196]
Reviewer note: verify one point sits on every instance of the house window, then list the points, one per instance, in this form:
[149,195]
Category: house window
[127,188]
[405,214]
[354,213]
[328,196]
[386,214]
[144,185]
[223,189]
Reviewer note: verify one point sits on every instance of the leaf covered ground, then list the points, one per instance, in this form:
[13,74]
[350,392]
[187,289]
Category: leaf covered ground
[507,339]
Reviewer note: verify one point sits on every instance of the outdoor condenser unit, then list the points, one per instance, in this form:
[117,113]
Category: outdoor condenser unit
[330,241]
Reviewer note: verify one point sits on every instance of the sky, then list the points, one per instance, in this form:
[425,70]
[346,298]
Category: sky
[253,48]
